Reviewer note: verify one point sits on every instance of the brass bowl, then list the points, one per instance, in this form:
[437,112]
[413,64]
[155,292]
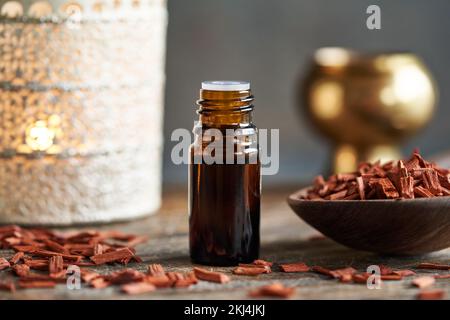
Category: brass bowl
[366,104]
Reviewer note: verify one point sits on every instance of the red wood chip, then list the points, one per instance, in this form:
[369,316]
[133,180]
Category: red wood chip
[360,277]
[251,270]
[391,277]
[99,283]
[206,275]
[294,267]
[16,258]
[125,276]
[344,274]
[431,295]
[421,192]
[385,270]
[161,281]
[112,256]
[265,267]
[43,277]
[187,280]
[54,246]
[56,265]
[155,269]
[21,270]
[261,262]
[4,264]
[322,270]
[37,264]
[174,277]
[423,282]
[88,275]
[275,289]
[404,273]
[360,182]
[442,276]
[437,266]
[137,288]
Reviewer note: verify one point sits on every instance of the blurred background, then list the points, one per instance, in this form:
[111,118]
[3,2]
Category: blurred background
[270,43]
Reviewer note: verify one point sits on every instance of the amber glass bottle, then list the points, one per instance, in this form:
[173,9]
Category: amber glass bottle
[224,197]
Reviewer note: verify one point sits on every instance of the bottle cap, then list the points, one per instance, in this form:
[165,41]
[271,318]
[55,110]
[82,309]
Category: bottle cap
[225,85]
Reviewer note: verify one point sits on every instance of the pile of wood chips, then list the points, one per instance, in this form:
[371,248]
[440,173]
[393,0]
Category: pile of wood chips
[403,179]
[43,258]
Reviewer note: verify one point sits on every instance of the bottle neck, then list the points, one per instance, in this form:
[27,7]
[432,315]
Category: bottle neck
[225,108]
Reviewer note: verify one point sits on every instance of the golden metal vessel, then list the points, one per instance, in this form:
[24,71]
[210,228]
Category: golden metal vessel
[367,104]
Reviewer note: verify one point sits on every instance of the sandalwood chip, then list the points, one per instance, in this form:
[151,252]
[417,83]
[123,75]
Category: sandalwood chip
[16,258]
[37,284]
[174,276]
[4,264]
[88,275]
[99,283]
[21,270]
[48,254]
[436,266]
[442,276]
[251,271]
[265,267]
[112,256]
[54,246]
[56,264]
[260,262]
[37,264]
[431,295]
[423,282]
[294,267]
[276,289]
[360,277]
[137,288]
[391,277]
[344,274]
[385,270]
[404,273]
[125,276]
[347,277]
[187,280]
[155,269]
[206,275]
[161,281]
[321,270]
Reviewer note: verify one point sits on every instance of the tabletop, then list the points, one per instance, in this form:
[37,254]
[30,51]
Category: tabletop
[285,239]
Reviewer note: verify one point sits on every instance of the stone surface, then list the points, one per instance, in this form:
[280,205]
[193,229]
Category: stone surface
[284,239]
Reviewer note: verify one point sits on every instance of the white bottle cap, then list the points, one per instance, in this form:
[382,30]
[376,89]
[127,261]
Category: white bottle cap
[226,85]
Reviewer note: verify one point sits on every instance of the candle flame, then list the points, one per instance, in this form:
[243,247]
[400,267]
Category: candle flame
[39,137]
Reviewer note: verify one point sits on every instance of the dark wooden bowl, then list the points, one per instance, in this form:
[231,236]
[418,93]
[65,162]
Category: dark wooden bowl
[401,227]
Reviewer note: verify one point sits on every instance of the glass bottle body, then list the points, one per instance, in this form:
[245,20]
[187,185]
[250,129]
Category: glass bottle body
[224,198]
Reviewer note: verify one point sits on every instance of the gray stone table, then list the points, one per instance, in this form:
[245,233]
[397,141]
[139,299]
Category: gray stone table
[285,238]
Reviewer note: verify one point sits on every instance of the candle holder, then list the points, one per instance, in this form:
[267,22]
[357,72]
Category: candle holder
[81,103]
[367,104]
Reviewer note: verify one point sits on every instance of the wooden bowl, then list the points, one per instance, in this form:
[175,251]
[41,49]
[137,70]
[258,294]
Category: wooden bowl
[401,227]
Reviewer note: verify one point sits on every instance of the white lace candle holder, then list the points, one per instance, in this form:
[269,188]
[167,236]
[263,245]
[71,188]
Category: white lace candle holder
[81,103]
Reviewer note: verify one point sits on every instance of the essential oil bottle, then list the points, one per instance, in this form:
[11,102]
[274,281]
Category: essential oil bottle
[224,192]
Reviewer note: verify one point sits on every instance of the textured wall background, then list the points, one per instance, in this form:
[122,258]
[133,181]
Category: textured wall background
[269,43]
